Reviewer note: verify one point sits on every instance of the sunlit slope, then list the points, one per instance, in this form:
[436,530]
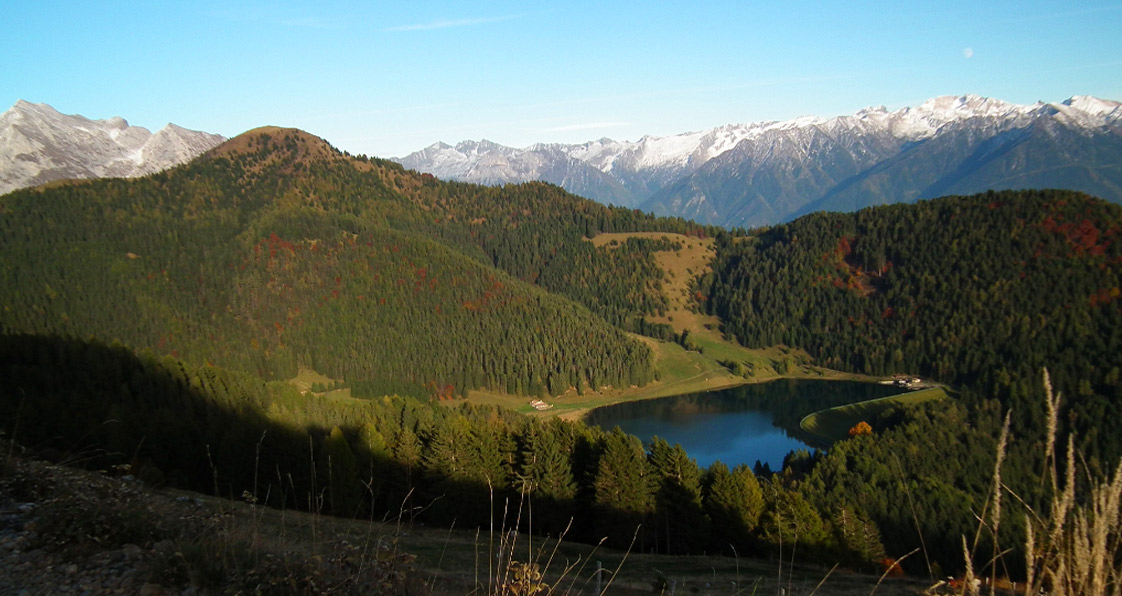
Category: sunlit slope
[838,423]
[276,250]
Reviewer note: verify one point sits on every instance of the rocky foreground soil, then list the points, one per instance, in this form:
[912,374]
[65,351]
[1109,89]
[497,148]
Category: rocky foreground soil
[67,530]
[71,531]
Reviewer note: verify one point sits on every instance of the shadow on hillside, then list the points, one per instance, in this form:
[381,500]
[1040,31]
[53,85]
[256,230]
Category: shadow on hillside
[103,407]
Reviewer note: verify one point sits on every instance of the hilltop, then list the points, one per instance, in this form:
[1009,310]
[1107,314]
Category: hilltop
[275,249]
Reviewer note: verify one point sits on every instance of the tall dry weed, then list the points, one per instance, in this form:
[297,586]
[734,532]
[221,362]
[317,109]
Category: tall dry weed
[1072,548]
[1075,548]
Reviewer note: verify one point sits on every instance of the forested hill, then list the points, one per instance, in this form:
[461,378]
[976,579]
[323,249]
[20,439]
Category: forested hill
[981,292]
[275,250]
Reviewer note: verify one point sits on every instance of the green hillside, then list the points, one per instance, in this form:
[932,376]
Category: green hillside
[276,251]
[149,322]
[978,292]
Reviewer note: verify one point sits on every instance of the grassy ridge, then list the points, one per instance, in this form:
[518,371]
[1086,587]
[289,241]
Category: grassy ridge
[833,424]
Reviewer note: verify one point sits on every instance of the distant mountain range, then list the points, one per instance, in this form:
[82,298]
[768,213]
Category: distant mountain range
[39,145]
[769,172]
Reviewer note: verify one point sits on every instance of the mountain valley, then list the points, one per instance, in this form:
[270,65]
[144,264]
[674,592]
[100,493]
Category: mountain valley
[279,322]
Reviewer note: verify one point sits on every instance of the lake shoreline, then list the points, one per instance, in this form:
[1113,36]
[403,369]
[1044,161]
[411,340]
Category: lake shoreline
[742,424]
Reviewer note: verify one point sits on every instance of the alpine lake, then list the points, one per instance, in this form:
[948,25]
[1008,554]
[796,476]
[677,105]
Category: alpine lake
[749,424]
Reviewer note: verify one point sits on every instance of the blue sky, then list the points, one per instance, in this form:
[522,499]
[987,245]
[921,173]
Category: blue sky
[387,78]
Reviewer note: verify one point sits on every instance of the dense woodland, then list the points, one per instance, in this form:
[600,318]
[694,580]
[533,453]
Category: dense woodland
[277,252]
[151,322]
[979,292]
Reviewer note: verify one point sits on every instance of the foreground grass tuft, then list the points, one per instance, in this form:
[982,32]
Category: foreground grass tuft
[1072,548]
[1075,547]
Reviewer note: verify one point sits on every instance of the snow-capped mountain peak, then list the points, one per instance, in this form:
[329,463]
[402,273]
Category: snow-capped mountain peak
[668,173]
[1092,105]
[926,119]
[688,151]
[1088,112]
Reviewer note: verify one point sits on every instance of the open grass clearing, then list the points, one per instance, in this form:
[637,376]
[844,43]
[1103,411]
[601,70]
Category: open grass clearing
[680,267]
[306,378]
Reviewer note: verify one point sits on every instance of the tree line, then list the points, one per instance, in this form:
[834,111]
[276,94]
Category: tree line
[214,430]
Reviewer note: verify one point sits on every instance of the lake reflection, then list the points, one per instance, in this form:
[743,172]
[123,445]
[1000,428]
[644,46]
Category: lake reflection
[739,425]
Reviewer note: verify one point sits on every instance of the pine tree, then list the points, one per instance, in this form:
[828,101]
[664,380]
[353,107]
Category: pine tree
[680,523]
[734,503]
[546,476]
[407,453]
[377,460]
[791,521]
[858,535]
[623,495]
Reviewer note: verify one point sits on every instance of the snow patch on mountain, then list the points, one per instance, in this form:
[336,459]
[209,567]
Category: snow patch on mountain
[658,160]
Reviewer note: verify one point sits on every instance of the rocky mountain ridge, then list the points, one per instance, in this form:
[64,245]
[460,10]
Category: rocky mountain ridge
[768,172]
[39,145]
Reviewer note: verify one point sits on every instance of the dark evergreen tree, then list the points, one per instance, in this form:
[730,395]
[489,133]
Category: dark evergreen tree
[734,502]
[337,466]
[679,523]
[546,477]
[623,491]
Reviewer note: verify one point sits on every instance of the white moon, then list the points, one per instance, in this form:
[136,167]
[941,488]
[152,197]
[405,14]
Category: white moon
[968,53]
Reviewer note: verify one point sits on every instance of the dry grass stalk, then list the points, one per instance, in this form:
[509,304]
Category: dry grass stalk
[1076,549]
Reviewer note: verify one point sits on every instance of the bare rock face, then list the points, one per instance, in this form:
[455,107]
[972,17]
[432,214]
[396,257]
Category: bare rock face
[39,145]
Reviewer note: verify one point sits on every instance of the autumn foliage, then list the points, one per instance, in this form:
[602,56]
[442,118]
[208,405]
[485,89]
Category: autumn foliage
[861,428]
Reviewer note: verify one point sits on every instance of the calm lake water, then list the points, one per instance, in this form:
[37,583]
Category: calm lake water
[740,425]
